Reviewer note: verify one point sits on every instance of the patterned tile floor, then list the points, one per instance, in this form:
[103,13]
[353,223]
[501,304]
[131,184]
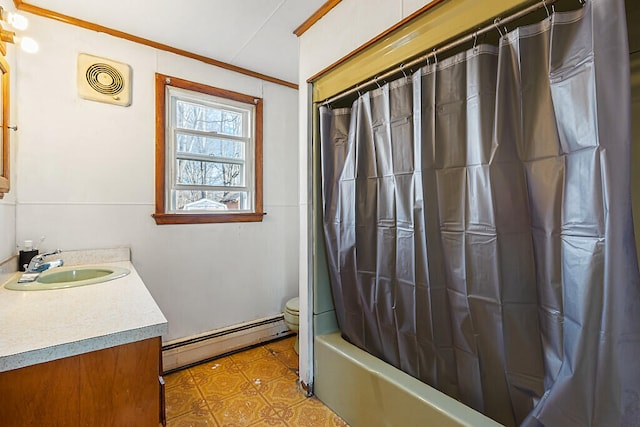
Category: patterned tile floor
[256,387]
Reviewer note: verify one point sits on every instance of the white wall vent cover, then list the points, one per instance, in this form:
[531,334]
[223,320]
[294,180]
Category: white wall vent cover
[104,80]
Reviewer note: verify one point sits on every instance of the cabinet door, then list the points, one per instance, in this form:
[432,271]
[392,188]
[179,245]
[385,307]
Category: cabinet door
[47,391]
[116,386]
[119,385]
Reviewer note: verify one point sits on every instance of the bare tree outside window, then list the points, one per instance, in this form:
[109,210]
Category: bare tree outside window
[209,160]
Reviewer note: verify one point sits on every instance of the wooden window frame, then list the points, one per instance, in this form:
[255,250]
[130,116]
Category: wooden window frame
[161,216]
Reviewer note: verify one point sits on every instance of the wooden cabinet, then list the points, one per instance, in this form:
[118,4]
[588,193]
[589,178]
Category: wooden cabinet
[117,386]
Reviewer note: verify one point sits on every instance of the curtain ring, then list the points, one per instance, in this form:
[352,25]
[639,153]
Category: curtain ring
[495,24]
[544,3]
[435,57]
[402,69]
[375,80]
[475,40]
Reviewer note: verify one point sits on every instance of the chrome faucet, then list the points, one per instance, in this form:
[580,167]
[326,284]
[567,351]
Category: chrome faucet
[37,264]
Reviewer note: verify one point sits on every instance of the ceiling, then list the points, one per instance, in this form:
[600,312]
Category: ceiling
[253,34]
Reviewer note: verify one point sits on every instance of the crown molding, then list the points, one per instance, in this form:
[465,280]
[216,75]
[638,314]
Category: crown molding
[46,13]
[322,10]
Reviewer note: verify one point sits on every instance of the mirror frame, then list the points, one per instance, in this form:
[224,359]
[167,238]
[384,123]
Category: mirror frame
[4,134]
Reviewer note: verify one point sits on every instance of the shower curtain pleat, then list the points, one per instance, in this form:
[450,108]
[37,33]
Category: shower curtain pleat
[478,228]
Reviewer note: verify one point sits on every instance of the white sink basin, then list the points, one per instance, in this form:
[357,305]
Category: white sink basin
[69,277]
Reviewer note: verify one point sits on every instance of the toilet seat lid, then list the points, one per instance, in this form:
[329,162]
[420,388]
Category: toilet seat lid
[293,305]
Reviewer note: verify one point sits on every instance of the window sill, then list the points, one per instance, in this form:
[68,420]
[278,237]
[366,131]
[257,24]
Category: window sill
[202,218]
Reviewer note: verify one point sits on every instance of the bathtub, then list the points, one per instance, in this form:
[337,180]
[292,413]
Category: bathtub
[366,391]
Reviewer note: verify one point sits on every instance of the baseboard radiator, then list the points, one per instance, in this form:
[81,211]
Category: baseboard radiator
[187,352]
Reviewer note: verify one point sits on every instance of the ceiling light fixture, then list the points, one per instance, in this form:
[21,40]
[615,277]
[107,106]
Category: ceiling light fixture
[17,21]
[27,44]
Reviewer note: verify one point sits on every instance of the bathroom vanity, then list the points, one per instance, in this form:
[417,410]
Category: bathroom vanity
[87,355]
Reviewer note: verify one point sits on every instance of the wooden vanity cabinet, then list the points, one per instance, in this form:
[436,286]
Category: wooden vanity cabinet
[117,386]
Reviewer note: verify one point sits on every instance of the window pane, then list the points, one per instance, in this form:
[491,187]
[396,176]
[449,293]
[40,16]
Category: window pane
[231,123]
[208,119]
[194,172]
[211,153]
[194,144]
[190,200]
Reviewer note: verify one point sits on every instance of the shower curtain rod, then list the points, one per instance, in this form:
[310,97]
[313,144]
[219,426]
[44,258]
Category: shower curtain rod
[471,36]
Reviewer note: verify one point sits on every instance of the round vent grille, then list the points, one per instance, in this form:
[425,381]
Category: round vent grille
[105,79]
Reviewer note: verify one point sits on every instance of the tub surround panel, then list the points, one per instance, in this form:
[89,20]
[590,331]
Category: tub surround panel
[322,296]
[325,323]
[40,326]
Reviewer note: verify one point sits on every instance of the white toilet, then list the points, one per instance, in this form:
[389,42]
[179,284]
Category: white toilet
[292,317]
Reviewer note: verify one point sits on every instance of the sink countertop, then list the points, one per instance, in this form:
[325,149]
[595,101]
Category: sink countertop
[40,326]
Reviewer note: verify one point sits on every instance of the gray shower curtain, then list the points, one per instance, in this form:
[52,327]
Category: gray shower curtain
[478,228]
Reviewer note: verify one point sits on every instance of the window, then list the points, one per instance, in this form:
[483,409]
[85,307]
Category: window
[208,154]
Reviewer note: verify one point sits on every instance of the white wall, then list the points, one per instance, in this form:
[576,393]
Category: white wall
[86,176]
[8,203]
[345,28]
